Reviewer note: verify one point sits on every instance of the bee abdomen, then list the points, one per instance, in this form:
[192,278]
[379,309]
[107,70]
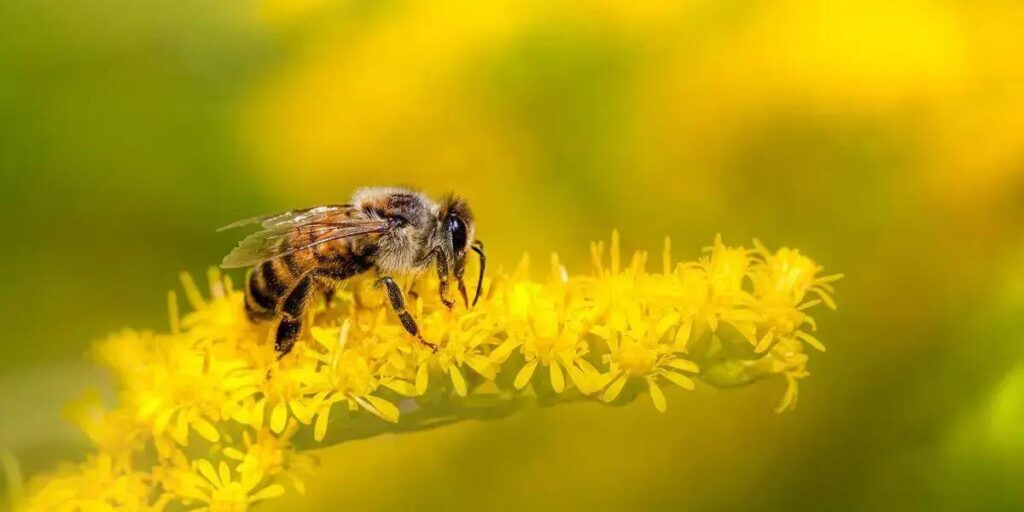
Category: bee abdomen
[266,287]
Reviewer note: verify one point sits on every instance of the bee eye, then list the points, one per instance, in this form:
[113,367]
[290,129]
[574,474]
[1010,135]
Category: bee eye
[458,230]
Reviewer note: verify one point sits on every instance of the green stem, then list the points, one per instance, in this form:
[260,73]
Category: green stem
[431,415]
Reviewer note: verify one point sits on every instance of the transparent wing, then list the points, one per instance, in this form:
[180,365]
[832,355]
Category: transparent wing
[290,232]
[293,217]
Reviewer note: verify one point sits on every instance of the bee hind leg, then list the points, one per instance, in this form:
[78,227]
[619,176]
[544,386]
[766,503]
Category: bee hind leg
[398,304]
[292,312]
[326,285]
[288,331]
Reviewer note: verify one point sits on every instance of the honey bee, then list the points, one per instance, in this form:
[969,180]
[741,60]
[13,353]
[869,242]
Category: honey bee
[383,230]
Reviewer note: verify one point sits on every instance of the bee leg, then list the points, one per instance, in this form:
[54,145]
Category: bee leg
[462,292]
[478,248]
[398,304]
[288,330]
[443,292]
[459,270]
[325,285]
[290,326]
[442,280]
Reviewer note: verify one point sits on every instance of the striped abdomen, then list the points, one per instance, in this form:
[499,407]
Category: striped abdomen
[267,285]
[283,285]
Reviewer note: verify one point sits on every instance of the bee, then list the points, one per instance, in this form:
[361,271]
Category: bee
[383,230]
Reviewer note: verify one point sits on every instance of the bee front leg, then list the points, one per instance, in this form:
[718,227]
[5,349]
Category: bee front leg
[443,277]
[398,304]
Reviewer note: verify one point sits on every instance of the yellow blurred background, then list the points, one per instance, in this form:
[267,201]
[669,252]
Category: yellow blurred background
[884,139]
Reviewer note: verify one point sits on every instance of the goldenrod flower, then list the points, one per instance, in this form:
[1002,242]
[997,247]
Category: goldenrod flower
[640,353]
[210,417]
[97,484]
[545,339]
[219,490]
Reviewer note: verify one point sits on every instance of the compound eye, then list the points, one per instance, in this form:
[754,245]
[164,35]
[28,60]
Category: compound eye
[458,230]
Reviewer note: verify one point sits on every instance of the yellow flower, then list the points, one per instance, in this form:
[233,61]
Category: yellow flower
[352,379]
[114,433]
[782,281]
[219,490]
[644,351]
[733,317]
[545,338]
[612,291]
[463,338]
[726,269]
[183,390]
[282,394]
[219,319]
[95,485]
[269,454]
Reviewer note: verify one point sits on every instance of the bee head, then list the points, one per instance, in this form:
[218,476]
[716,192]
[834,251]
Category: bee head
[457,233]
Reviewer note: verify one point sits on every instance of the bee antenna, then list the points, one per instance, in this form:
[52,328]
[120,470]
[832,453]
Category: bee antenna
[478,248]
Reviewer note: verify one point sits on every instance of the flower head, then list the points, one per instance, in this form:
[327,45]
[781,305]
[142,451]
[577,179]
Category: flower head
[220,489]
[210,417]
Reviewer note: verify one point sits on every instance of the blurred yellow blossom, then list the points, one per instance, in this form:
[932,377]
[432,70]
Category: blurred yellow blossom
[209,417]
[218,490]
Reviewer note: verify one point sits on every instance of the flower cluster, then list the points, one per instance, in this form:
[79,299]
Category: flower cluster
[211,418]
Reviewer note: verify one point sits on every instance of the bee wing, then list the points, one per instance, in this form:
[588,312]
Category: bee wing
[281,239]
[292,217]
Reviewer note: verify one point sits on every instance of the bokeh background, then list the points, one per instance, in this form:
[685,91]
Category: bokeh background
[885,139]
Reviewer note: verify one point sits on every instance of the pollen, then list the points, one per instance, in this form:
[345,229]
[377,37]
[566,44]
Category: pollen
[209,417]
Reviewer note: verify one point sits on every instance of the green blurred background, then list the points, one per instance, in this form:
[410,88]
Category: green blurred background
[884,139]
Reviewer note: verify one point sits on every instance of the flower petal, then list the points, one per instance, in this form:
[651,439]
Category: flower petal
[557,379]
[422,378]
[501,353]
[481,364]
[683,334]
[401,387]
[613,389]
[270,491]
[206,469]
[788,399]
[234,453]
[665,323]
[656,395]
[206,429]
[525,374]
[279,418]
[301,412]
[381,407]
[684,365]
[258,412]
[579,378]
[458,382]
[811,340]
[679,380]
[322,419]
[225,473]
